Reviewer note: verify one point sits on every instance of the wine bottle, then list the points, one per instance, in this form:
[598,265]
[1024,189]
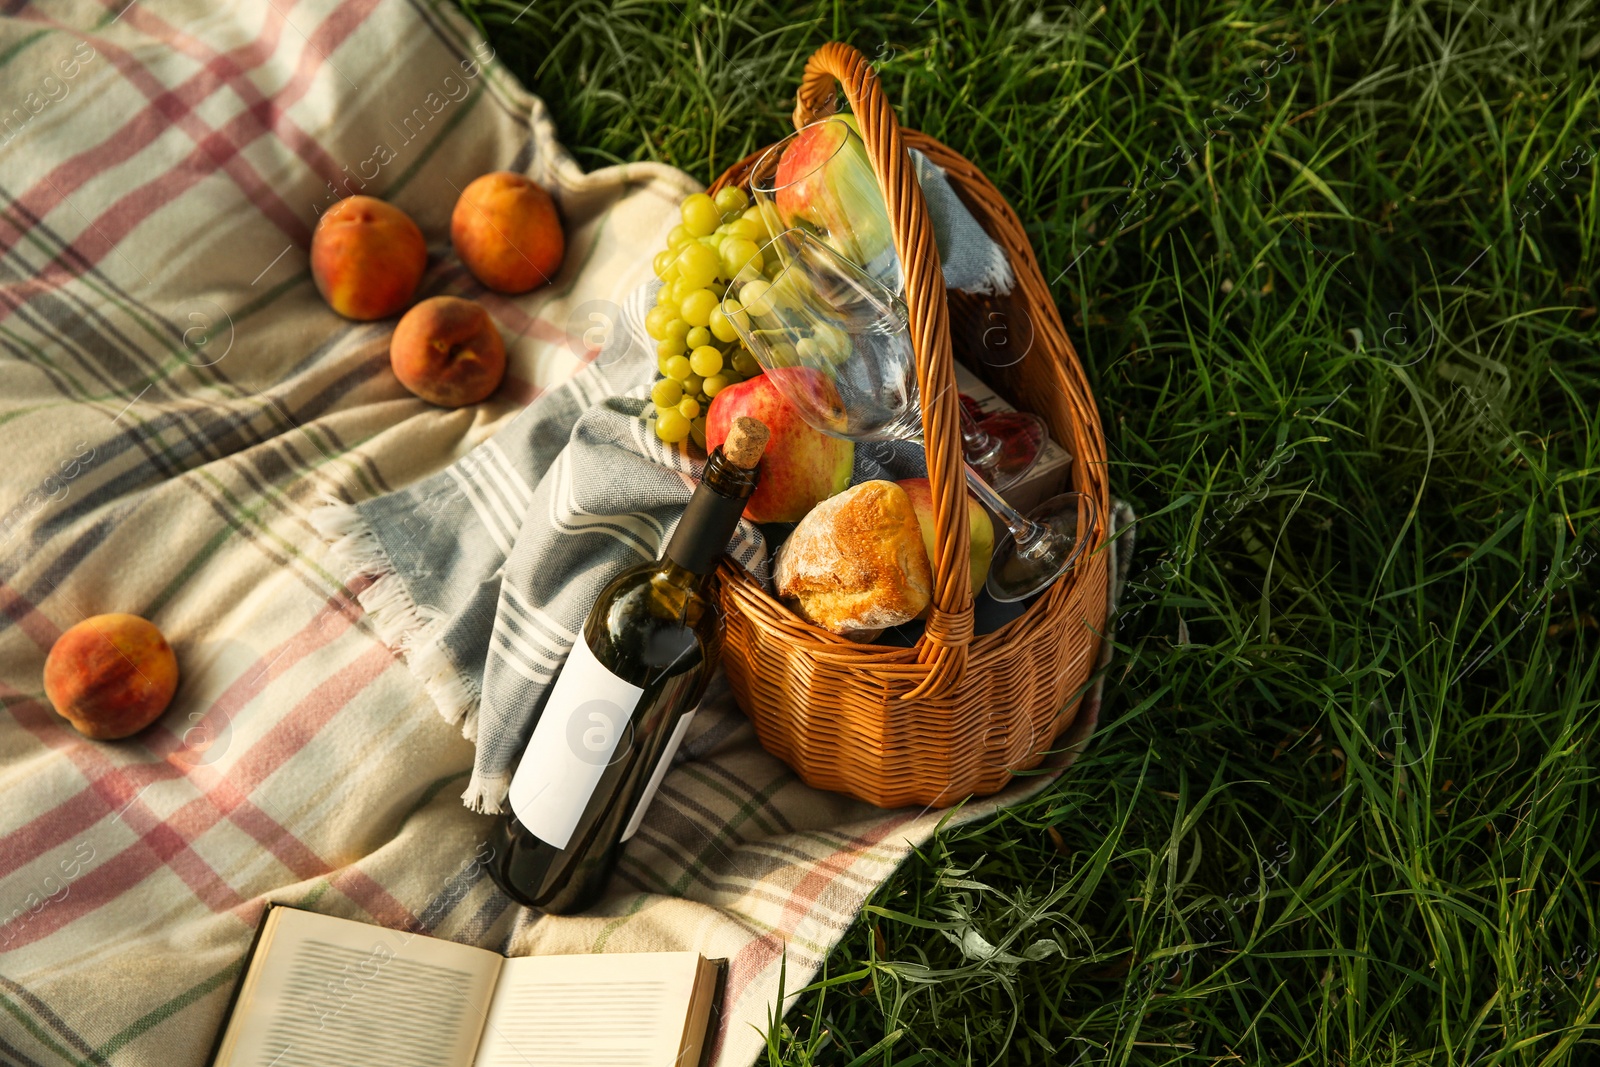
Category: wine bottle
[623,701]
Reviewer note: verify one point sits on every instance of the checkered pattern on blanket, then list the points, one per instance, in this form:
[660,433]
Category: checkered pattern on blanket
[175,399]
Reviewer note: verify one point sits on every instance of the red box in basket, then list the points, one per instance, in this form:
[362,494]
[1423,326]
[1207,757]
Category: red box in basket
[1048,477]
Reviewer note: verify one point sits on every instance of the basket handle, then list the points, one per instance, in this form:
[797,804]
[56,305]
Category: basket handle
[943,647]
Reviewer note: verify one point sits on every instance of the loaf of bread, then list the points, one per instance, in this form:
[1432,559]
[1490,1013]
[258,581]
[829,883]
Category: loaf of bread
[856,564]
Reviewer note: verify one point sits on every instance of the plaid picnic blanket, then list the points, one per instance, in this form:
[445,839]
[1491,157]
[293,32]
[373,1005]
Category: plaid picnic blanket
[175,400]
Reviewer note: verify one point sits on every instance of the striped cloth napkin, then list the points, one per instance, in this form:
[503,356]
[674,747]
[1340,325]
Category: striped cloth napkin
[175,403]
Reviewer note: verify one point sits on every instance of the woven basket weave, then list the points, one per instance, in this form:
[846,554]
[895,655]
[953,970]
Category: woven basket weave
[956,715]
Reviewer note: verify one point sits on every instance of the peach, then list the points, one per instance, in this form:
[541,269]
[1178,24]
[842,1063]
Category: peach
[506,230]
[367,257]
[447,351]
[110,675]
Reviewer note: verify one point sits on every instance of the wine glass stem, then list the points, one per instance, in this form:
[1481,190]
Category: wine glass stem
[980,448]
[1025,533]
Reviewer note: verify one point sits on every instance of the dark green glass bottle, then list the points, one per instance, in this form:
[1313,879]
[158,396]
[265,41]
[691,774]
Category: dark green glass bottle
[622,703]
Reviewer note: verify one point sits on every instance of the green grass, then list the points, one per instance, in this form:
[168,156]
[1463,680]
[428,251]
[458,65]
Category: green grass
[1342,805]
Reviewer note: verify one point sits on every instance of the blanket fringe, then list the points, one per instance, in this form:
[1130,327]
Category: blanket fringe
[485,792]
[408,628]
[997,279]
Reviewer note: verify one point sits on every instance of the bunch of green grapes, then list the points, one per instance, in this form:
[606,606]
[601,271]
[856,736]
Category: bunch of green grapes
[697,349]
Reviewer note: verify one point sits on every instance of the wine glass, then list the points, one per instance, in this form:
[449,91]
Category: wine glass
[837,344]
[820,179]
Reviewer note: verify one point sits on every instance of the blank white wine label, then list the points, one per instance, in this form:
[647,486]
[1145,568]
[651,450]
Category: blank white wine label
[585,720]
[660,772]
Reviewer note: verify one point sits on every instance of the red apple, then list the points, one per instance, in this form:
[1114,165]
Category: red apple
[980,528]
[801,467]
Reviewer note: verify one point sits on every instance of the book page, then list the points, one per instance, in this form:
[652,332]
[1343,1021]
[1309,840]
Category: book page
[598,1010]
[331,992]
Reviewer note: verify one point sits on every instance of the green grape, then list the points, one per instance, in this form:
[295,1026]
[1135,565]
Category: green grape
[677,236]
[662,263]
[666,393]
[678,367]
[656,319]
[737,253]
[697,431]
[677,330]
[745,363]
[807,349]
[767,215]
[681,288]
[664,297]
[731,200]
[753,296]
[661,361]
[700,215]
[762,220]
[695,306]
[705,360]
[736,314]
[834,342]
[697,265]
[671,426]
[698,336]
[791,287]
[748,229]
[716,384]
[693,384]
[689,407]
[669,347]
[721,327]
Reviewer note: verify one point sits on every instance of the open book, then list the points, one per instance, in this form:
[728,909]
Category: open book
[320,991]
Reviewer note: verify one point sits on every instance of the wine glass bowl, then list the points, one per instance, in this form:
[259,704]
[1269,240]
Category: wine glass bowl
[1018,438]
[820,179]
[1014,571]
[833,341]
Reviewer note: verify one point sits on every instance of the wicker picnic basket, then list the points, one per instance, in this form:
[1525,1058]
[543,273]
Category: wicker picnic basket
[956,715]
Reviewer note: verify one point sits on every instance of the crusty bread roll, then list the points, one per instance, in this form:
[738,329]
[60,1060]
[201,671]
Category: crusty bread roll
[856,562]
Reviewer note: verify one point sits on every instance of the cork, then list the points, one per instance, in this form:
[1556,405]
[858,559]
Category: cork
[747,439]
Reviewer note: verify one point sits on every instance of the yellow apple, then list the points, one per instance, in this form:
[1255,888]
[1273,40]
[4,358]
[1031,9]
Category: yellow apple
[980,527]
